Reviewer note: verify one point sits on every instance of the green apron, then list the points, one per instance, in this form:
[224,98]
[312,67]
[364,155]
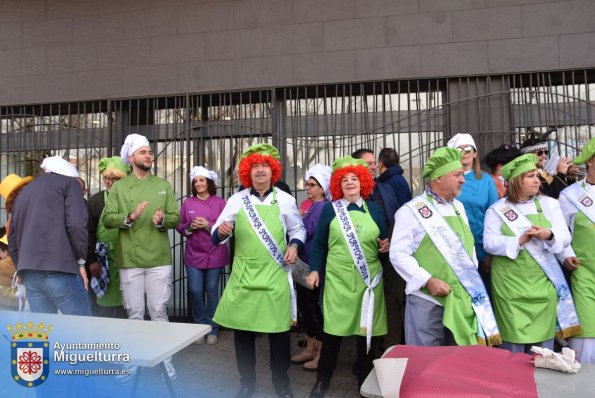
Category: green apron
[256,297]
[458,316]
[112,297]
[343,287]
[583,278]
[524,299]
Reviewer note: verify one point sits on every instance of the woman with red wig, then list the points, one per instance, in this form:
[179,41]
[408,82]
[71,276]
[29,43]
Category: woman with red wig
[349,236]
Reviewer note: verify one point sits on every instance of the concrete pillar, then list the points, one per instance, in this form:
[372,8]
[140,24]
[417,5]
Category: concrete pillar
[480,106]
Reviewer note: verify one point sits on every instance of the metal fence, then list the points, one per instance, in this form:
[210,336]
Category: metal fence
[311,124]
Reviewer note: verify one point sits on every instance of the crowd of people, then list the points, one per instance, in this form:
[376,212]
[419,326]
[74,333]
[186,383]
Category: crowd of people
[499,259]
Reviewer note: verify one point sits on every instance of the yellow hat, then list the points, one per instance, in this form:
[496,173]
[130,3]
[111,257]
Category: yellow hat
[4,239]
[11,183]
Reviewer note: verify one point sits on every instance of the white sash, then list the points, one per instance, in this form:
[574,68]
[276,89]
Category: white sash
[580,198]
[267,240]
[452,249]
[518,224]
[366,321]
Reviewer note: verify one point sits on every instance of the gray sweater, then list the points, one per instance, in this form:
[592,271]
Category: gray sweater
[48,231]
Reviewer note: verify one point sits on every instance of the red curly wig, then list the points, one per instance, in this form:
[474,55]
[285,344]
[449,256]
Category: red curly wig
[363,174]
[250,160]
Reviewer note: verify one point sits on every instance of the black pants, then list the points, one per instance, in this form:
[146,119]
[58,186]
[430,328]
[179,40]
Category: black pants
[309,306]
[394,295]
[330,351]
[280,357]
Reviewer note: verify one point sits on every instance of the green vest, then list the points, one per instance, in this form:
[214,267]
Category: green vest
[256,297]
[459,316]
[112,297]
[524,298]
[343,286]
[583,278]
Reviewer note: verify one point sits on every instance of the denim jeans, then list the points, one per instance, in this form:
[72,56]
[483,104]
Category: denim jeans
[49,292]
[201,281]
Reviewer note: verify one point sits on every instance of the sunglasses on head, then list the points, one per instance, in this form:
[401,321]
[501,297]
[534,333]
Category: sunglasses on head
[545,152]
[466,149]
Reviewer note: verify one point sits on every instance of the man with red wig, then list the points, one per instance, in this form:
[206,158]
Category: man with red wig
[433,250]
[259,297]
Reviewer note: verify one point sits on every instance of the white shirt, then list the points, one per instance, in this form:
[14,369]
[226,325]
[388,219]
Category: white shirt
[288,215]
[494,242]
[359,202]
[407,236]
[569,212]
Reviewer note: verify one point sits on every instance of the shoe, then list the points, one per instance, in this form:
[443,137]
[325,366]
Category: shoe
[212,339]
[127,373]
[308,354]
[171,371]
[200,340]
[312,365]
[245,392]
[319,389]
[284,392]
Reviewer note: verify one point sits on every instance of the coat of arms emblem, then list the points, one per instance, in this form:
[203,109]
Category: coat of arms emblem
[587,201]
[29,349]
[425,211]
[511,215]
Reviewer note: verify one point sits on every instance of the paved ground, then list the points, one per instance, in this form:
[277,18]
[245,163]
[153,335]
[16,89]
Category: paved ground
[210,371]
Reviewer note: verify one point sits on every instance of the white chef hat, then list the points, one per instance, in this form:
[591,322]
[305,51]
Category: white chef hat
[131,144]
[322,174]
[203,172]
[57,165]
[461,139]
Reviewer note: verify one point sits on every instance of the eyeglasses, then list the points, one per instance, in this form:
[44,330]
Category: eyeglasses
[466,149]
[546,152]
[112,179]
[309,185]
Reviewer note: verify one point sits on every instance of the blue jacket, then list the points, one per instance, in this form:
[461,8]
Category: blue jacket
[393,176]
[384,196]
[477,196]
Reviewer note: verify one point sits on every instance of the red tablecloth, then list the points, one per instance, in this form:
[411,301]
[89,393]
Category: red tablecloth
[472,371]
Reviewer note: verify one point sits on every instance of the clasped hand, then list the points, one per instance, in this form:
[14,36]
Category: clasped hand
[535,232]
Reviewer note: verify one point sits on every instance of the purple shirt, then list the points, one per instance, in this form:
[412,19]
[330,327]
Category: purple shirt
[310,223]
[200,252]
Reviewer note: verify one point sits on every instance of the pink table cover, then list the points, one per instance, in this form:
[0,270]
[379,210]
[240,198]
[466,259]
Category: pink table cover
[471,371]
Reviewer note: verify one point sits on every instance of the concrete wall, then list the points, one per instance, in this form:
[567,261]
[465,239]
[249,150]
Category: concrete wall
[58,50]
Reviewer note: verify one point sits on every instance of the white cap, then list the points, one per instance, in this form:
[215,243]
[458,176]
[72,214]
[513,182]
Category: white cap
[461,139]
[203,172]
[57,165]
[322,174]
[131,144]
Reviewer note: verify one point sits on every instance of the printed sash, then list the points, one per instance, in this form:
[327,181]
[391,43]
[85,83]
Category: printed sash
[452,249]
[366,321]
[580,198]
[267,240]
[566,312]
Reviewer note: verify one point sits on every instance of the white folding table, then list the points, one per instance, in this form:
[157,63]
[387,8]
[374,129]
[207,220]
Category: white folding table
[148,343]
